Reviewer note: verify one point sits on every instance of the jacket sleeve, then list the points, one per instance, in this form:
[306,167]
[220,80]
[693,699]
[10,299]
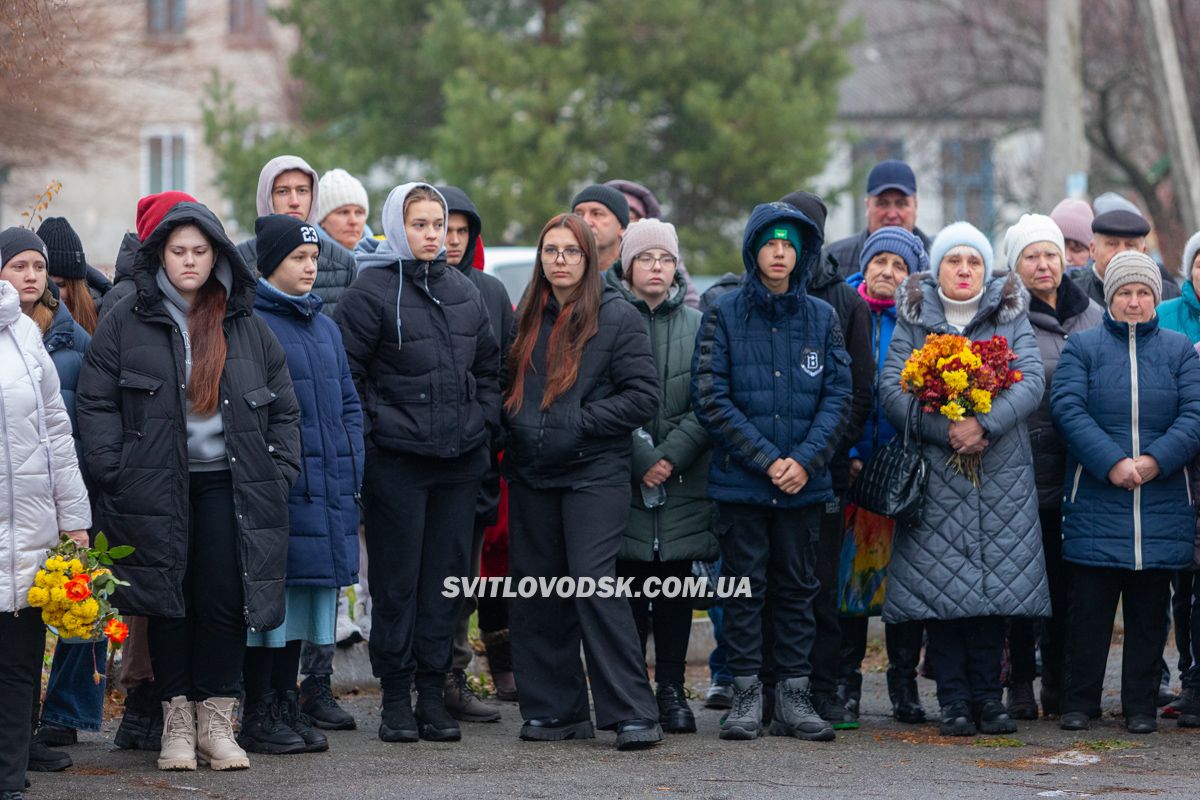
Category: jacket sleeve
[70,495]
[283,415]
[712,396]
[486,368]
[635,382]
[1181,442]
[1090,443]
[98,403]
[644,457]
[1014,405]
[898,404]
[359,316]
[352,412]
[862,371]
[827,430]
[686,443]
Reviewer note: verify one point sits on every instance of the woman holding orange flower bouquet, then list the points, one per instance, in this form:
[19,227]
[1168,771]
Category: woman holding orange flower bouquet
[974,556]
[47,497]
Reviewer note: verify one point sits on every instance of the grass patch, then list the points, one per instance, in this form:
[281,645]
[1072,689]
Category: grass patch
[1106,745]
[996,742]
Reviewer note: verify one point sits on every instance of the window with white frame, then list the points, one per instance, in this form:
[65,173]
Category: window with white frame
[166,160]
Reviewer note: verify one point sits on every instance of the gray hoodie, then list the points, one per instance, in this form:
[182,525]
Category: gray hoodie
[205,434]
[395,247]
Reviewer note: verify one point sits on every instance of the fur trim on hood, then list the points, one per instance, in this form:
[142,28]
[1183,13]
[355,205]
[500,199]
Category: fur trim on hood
[917,301]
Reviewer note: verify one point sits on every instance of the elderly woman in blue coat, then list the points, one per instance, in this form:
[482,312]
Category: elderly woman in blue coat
[1126,396]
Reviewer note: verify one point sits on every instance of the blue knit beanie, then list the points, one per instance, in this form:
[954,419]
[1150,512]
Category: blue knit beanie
[954,235]
[895,240]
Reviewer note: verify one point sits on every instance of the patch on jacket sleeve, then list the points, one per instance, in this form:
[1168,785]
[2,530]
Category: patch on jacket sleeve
[812,361]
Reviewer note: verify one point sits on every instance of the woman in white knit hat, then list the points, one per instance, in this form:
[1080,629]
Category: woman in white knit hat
[342,207]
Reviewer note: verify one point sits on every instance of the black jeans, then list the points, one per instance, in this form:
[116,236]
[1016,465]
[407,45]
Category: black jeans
[200,655]
[576,533]
[903,640]
[1191,680]
[669,619]
[1024,632]
[24,641]
[419,513]
[966,655]
[776,549]
[270,669]
[1144,597]
[1183,584]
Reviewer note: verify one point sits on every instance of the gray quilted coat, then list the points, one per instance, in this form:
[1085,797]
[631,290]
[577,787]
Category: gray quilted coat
[974,552]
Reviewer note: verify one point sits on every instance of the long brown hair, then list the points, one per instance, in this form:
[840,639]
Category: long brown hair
[74,292]
[206,332]
[42,312]
[577,322]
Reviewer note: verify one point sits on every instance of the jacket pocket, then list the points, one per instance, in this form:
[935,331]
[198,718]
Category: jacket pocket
[137,389]
[405,407]
[260,400]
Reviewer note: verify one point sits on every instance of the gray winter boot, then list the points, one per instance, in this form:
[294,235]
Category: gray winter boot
[744,720]
[795,715]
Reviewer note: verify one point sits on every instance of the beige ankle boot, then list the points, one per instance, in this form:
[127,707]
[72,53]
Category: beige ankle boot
[215,742]
[177,748]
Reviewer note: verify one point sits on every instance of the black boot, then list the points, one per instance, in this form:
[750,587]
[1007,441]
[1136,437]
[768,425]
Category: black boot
[956,720]
[44,759]
[994,719]
[398,723]
[906,699]
[434,722]
[673,711]
[318,702]
[297,720]
[141,722]
[264,730]
[849,693]
[834,711]
[1189,707]
[1021,704]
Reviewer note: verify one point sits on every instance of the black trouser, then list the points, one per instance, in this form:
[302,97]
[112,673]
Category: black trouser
[670,619]
[462,652]
[966,656]
[1192,679]
[493,614]
[270,669]
[576,533]
[1182,586]
[1024,631]
[776,549]
[419,513]
[24,641]
[1144,596]
[903,640]
[200,655]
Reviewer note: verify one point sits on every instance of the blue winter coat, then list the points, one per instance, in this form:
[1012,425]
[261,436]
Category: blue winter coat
[878,430]
[771,378]
[1120,391]
[1182,314]
[323,503]
[67,341]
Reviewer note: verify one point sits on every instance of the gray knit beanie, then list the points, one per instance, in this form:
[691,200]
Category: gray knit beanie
[1130,266]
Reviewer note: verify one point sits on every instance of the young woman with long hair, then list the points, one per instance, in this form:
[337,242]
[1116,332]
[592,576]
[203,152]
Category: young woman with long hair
[191,433]
[581,379]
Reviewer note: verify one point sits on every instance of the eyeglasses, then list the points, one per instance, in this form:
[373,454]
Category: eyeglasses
[647,261]
[570,255]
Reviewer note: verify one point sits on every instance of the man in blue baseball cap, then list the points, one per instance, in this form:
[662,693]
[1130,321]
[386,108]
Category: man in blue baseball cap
[891,200]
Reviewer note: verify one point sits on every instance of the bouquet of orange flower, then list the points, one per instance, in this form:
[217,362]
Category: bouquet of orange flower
[74,589]
[958,378]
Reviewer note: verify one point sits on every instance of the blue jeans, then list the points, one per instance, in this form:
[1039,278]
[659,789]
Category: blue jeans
[73,698]
[717,665]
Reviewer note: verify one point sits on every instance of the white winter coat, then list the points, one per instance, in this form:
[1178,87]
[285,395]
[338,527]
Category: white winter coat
[41,487]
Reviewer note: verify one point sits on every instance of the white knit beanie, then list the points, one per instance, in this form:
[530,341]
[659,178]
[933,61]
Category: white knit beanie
[339,188]
[1130,266]
[1031,228]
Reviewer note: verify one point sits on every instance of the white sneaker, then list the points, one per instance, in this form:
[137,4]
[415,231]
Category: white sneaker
[346,632]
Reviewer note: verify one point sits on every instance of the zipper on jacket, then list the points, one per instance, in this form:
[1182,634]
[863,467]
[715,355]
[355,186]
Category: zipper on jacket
[1075,487]
[12,492]
[1137,445]
[1187,482]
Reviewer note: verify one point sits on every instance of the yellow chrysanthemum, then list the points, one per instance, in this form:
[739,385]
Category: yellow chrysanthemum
[39,580]
[55,564]
[953,412]
[87,610]
[956,380]
[982,400]
[58,596]
[74,566]
[38,596]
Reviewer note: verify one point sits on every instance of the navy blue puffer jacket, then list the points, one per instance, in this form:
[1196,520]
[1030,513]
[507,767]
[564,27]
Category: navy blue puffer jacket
[323,503]
[66,342]
[771,377]
[1120,391]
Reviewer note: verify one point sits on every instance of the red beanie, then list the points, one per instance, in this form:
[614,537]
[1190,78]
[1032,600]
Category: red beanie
[153,207]
[477,259]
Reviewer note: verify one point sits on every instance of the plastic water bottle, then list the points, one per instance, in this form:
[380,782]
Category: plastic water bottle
[652,496]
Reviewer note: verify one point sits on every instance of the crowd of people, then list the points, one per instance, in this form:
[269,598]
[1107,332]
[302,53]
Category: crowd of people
[264,421]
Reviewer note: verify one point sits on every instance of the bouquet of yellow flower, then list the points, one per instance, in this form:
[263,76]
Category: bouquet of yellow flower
[73,591]
[958,378]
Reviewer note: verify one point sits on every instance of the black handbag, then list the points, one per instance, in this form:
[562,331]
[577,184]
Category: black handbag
[892,483]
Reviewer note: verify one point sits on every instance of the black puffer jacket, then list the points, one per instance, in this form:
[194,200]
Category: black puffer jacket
[122,275]
[584,437]
[132,419]
[335,270]
[438,393]
[846,253]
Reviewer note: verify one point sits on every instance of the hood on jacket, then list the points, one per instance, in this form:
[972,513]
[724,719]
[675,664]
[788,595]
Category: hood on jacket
[394,246]
[266,181]
[229,268]
[126,256]
[457,202]
[768,214]
[614,277]
[917,301]
[61,333]
[10,305]
[270,299]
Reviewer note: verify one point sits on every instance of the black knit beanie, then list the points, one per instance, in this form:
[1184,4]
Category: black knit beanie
[64,250]
[606,196]
[18,240]
[276,236]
